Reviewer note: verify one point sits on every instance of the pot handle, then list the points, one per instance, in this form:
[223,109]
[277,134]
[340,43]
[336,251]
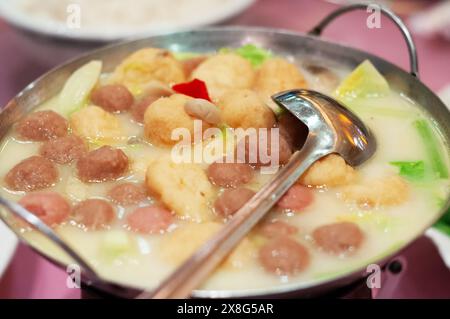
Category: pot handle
[414,68]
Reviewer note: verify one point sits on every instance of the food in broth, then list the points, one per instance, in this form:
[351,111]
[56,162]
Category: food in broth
[96,163]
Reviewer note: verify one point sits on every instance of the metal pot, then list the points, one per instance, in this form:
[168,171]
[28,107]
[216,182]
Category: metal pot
[282,42]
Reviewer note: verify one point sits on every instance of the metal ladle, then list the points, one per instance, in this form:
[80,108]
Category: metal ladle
[332,129]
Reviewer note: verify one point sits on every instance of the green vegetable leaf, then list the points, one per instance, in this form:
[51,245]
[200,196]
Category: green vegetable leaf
[77,88]
[443,227]
[365,81]
[411,170]
[255,55]
[433,148]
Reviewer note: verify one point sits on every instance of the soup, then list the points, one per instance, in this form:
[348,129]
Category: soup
[97,163]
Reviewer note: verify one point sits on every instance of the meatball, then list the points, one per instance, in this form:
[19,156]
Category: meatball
[245,109]
[103,164]
[223,72]
[284,256]
[94,214]
[293,130]
[256,149]
[146,65]
[330,171]
[277,228]
[64,150]
[150,220]
[232,200]
[51,208]
[113,98]
[189,65]
[297,198]
[166,115]
[42,126]
[31,174]
[94,123]
[152,92]
[138,109]
[384,191]
[229,174]
[338,238]
[127,194]
[277,75]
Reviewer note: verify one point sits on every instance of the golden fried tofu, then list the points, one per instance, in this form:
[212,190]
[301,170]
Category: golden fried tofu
[223,72]
[165,115]
[330,171]
[276,75]
[244,108]
[385,191]
[179,245]
[96,124]
[184,188]
[146,65]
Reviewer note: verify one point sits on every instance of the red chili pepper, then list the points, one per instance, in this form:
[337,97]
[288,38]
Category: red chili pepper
[195,88]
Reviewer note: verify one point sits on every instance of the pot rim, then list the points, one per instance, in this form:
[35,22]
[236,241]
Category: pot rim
[344,276]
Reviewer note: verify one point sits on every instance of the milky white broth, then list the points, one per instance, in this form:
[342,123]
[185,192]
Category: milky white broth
[385,228]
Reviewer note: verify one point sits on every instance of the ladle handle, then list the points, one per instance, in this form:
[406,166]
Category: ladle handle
[198,267]
[19,211]
[414,67]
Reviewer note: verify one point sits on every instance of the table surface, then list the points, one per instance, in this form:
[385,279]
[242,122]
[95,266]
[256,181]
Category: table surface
[30,276]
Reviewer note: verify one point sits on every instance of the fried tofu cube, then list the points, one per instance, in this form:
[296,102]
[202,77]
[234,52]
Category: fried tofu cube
[276,75]
[244,108]
[330,171]
[184,188]
[385,191]
[223,72]
[179,245]
[96,125]
[166,115]
[147,65]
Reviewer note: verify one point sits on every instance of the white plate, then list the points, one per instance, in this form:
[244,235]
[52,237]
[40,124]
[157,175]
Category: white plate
[10,11]
[442,241]
[8,244]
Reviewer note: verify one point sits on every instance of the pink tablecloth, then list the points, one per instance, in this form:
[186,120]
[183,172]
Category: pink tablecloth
[30,276]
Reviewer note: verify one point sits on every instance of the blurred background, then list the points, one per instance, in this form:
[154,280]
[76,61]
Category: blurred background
[37,35]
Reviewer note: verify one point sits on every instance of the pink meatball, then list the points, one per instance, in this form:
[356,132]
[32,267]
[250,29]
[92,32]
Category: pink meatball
[94,214]
[64,150]
[103,164]
[297,198]
[284,256]
[113,98]
[339,238]
[33,173]
[42,126]
[150,220]
[232,200]
[229,174]
[258,150]
[127,194]
[51,208]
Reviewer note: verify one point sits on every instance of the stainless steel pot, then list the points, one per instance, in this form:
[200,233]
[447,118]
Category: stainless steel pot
[282,42]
